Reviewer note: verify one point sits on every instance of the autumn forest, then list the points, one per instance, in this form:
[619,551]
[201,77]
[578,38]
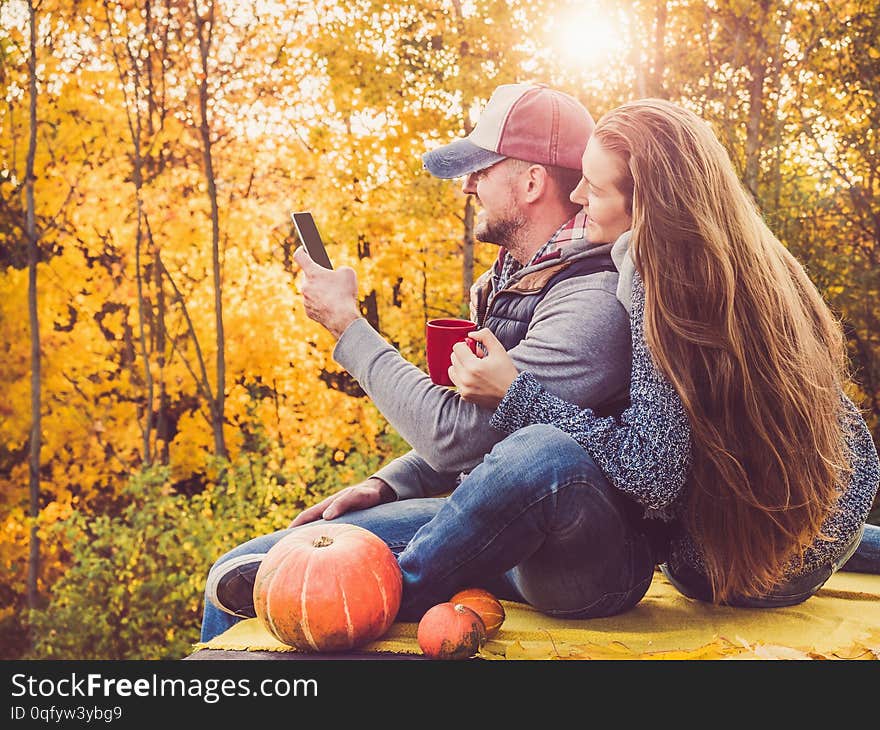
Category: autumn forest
[165,397]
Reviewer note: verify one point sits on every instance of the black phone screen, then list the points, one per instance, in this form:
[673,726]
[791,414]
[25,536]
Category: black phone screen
[311,239]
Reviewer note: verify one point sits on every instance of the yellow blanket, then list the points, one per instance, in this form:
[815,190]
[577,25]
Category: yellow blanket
[842,621]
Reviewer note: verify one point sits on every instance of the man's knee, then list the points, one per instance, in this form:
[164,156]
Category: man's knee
[539,433]
[543,452]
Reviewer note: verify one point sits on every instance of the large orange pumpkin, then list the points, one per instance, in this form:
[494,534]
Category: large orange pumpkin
[328,587]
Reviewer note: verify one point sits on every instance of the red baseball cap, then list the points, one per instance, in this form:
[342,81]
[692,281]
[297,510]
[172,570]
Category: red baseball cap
[530,122]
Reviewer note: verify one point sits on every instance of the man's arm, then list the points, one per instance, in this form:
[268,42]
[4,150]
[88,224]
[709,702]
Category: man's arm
[577,345]
[410,476]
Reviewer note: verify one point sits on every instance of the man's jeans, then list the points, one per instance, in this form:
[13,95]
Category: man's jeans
[536,522]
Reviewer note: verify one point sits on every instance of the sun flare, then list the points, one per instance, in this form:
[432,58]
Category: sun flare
[589,33]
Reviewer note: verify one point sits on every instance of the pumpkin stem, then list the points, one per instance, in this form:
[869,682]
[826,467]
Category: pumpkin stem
[323,541]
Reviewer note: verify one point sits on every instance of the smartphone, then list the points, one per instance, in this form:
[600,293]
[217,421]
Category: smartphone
[311,239]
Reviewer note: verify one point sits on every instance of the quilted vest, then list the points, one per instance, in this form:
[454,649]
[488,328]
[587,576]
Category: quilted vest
[511,310]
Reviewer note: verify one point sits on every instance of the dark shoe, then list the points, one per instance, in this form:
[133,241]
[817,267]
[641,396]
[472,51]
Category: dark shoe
[230,585]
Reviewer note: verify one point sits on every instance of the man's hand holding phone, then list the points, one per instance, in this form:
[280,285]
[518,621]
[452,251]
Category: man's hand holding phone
[307,230]
[330,296]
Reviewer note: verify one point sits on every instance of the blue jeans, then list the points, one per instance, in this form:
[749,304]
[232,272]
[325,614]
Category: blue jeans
[536,522]
[695,585]
[866,558]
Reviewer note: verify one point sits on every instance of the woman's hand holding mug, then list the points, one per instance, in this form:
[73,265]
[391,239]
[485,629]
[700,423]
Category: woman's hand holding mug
[484,378]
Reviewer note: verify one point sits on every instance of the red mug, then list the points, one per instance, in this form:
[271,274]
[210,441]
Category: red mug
[440,336]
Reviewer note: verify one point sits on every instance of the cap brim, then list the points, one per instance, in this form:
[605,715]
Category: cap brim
[458,159]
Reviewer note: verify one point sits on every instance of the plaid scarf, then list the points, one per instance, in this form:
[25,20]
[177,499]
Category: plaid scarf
[571,230]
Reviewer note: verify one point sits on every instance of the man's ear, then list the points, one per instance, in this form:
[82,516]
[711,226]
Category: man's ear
[536,183]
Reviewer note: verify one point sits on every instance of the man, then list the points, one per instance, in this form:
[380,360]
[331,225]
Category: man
[550,298]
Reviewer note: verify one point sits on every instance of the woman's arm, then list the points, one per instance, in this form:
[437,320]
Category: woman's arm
[644,452]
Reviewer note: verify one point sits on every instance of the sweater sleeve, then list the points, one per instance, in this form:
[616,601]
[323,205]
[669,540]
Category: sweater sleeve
[571,353]
[645,452]
[858,494]
[410,476]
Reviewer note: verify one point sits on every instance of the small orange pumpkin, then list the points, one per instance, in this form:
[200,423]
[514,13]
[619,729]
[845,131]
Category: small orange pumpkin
[485,605]
[328,587]
[450,631]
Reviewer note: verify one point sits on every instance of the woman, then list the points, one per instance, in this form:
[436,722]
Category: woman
[740,442]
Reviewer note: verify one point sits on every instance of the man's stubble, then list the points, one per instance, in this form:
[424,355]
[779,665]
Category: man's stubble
[502,231]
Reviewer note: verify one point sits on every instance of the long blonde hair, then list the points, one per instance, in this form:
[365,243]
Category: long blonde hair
[745,338]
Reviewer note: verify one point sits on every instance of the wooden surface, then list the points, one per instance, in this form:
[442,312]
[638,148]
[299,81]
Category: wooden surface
[222,654]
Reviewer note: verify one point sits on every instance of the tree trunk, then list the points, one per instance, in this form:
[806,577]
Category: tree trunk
[369,304]
[467,247]
[467,238]
[147,429]
[636,42]
[659,66]
[36,436]
[758,73]
[162,430]
[136,66]
[205,26]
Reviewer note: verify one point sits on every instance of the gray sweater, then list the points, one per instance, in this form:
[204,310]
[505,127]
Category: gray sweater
[578,344]
[646,452]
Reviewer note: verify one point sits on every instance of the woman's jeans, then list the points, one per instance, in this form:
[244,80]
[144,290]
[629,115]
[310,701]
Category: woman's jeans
[866,558]
[535,522]
[695,585]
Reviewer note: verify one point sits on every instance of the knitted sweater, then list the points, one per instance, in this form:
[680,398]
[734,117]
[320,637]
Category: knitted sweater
[646,452]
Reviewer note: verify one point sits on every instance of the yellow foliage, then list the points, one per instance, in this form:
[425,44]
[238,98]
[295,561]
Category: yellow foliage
[331,115]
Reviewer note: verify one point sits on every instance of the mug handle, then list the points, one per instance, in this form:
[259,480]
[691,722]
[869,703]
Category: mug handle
[472,343]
